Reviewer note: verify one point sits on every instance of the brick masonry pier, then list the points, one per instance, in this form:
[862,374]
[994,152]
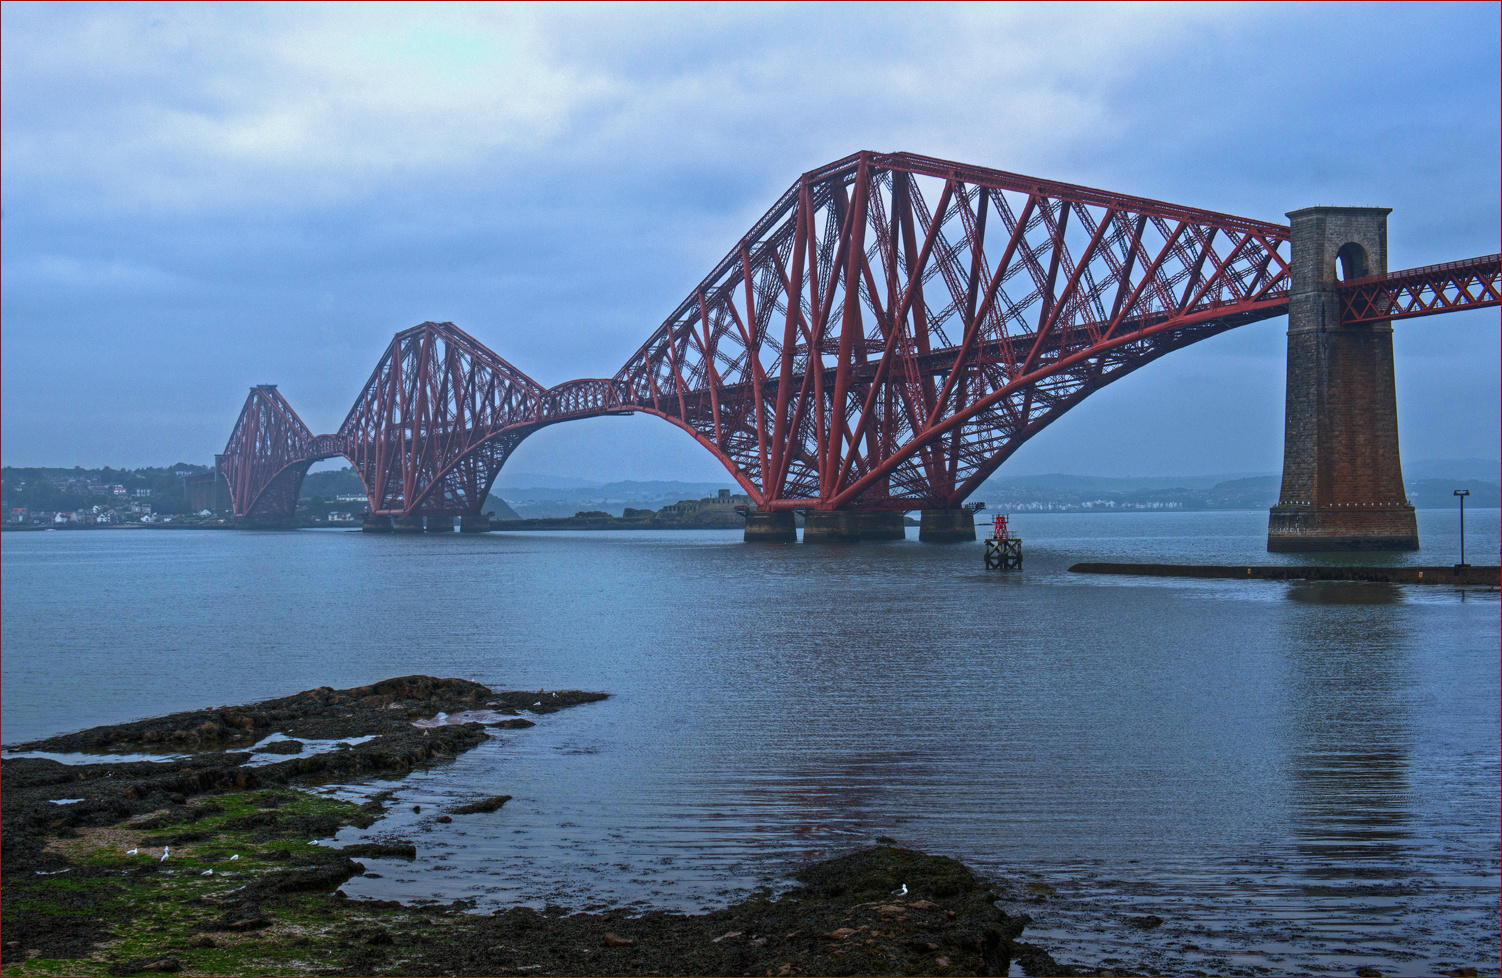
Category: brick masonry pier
[1342,477]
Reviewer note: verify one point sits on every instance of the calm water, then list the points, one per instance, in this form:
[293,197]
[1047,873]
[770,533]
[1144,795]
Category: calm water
[1296,777]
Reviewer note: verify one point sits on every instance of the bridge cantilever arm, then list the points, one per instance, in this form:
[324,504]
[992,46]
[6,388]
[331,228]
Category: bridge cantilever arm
[908,411]
[1472,283]
[1267,307]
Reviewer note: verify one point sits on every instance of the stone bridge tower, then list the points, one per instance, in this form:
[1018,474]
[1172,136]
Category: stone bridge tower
[1342,478]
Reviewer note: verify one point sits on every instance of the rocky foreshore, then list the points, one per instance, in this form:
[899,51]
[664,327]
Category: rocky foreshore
[203,864]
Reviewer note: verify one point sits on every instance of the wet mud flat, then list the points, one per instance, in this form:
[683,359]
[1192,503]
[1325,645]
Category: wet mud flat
[206,864]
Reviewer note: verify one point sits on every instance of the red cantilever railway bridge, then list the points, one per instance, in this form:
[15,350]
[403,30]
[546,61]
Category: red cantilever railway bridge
[881,340]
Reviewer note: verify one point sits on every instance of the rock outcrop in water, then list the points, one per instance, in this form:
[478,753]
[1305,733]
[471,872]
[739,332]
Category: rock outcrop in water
[61,907]
[385,707]
[205,864]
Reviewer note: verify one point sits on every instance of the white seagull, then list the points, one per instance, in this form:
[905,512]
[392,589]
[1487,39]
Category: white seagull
[166,851]
[207,872]
[131,852]
[234,857]
[901,892]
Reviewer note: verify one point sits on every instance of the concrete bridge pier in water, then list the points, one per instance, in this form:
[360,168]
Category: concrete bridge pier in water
[771,526]
[879,524]
[947,526]
[415,524]
[831,526]
[858,526]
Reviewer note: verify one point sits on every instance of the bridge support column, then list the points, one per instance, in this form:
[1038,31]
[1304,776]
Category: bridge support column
[406,524]
[831,526]
[1342,477]
[474,524]
[440,524]
[947,526]
[376,524]
[774,526]
[882,525]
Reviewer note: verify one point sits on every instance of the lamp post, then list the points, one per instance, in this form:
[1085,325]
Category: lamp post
[1461,494]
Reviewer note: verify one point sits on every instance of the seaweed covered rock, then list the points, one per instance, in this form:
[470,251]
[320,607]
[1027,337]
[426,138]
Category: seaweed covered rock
[875,874]
[314,714]
[483,805]
[843,920]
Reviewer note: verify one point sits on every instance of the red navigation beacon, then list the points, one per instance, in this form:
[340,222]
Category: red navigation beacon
[1003,551]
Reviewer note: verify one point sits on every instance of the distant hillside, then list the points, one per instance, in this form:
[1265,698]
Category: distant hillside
[1485,470]
[497,506]
[334,482]
[1064,493]
[540,502]
[1094,494]
[45,490]
[1099,484]
[1440,493]
[526,480]
[550,502]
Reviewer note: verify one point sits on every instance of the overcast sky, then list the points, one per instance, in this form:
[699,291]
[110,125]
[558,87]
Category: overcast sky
[201,198]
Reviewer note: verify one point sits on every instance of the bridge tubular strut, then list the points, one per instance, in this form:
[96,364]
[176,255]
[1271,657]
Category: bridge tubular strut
[881,340]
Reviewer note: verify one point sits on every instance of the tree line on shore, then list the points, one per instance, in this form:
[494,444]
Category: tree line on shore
[61,490]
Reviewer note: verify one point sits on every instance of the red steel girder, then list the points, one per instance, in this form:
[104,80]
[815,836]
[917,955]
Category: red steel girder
[1456,285]
[867,340]
[425,434]
[888,333]
[268,453]
[432,427]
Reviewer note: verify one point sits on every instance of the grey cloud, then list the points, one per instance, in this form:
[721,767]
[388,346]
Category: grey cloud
[199,198]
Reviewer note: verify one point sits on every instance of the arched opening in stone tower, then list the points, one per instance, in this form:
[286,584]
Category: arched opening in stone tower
[1350,262]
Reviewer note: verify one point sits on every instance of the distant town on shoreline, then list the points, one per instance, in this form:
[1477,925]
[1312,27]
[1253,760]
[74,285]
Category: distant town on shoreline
[166,495]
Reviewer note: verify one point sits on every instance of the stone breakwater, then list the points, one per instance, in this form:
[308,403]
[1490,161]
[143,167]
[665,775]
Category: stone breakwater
[1471,575]
[206,864]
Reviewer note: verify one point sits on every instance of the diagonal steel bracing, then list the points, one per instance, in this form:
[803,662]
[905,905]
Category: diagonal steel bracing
[896,326]
[884,337]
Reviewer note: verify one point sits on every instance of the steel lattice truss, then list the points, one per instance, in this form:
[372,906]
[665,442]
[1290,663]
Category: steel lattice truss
[1469,284]
[429,431]
[268,454]
[883,338]
[896,326]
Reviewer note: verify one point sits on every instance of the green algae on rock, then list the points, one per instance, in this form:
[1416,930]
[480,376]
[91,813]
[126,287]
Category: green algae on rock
[276,910]
[203,864]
